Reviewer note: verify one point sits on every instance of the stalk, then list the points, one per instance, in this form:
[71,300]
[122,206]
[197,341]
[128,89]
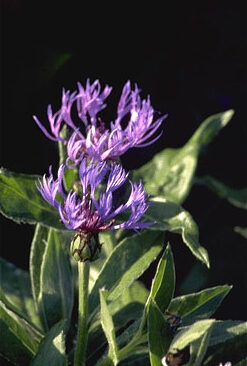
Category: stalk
[82,335]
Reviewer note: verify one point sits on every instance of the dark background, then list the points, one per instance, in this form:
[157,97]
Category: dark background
[189,56]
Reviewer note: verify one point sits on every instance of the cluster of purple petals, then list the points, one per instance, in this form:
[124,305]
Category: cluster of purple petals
[94,210]
[98,143]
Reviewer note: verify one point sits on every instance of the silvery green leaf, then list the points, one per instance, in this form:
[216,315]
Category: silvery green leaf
[127,262]
[199,305]
[237,197]
[55,299]
[16,287]
[19,339]
[170,173]
[21,201]
[52,348]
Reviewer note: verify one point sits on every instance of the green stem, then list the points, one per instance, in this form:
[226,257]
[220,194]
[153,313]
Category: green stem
[81,345]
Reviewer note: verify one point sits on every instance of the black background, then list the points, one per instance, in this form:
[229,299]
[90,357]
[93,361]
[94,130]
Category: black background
[188,55]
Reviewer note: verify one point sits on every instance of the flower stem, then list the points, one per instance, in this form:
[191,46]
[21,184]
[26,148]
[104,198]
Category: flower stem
[81,345]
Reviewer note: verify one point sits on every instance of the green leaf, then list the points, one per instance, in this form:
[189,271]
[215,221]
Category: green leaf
[19,340]
[139,358]
[108,327]
[199,348]
[16,287]
[227,330]
[56,287]
[163,284]
[227,342]
[21,201]
[172,217]
[191,334]
[126,263]
[195,280]
[237,197]
[52,348]
[170,173]
[159,334]
[126,308]
[108,241]
[37,251]
[200,305]
[162,289]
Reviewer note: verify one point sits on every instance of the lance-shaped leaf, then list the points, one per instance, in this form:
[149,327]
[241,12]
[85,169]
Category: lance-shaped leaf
[19,339]
[159,334]
[38,247]
[162,289]
[108,327]
[228,341]
[52,348]
[56,287]
[126,263]
[199,348]
[163,284]
[190,334]
[16,287]
[237,197]
[172,217]
[199,305]
[170,172]
[127,308]
[21,201]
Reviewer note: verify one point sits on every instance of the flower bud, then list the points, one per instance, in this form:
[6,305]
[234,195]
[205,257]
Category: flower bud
[85,247]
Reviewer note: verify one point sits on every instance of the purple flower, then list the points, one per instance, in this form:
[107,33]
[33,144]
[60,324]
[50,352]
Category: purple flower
[96,142]
[95,208]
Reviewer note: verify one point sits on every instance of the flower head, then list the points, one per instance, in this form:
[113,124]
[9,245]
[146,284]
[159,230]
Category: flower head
[97,142]
[95,209]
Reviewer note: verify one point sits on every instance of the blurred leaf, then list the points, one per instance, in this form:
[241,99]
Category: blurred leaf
[227,342]
[241,231]
[58,61]
[19,340]
[37,251]
[172,217]
[108,327]
[200,305]
[163,284]
[159,334]
[52,348]
[170,173]
[195,280]
[243,362]
[21,201]
[16,286]
[56,287]
[127,262]
[237,197]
